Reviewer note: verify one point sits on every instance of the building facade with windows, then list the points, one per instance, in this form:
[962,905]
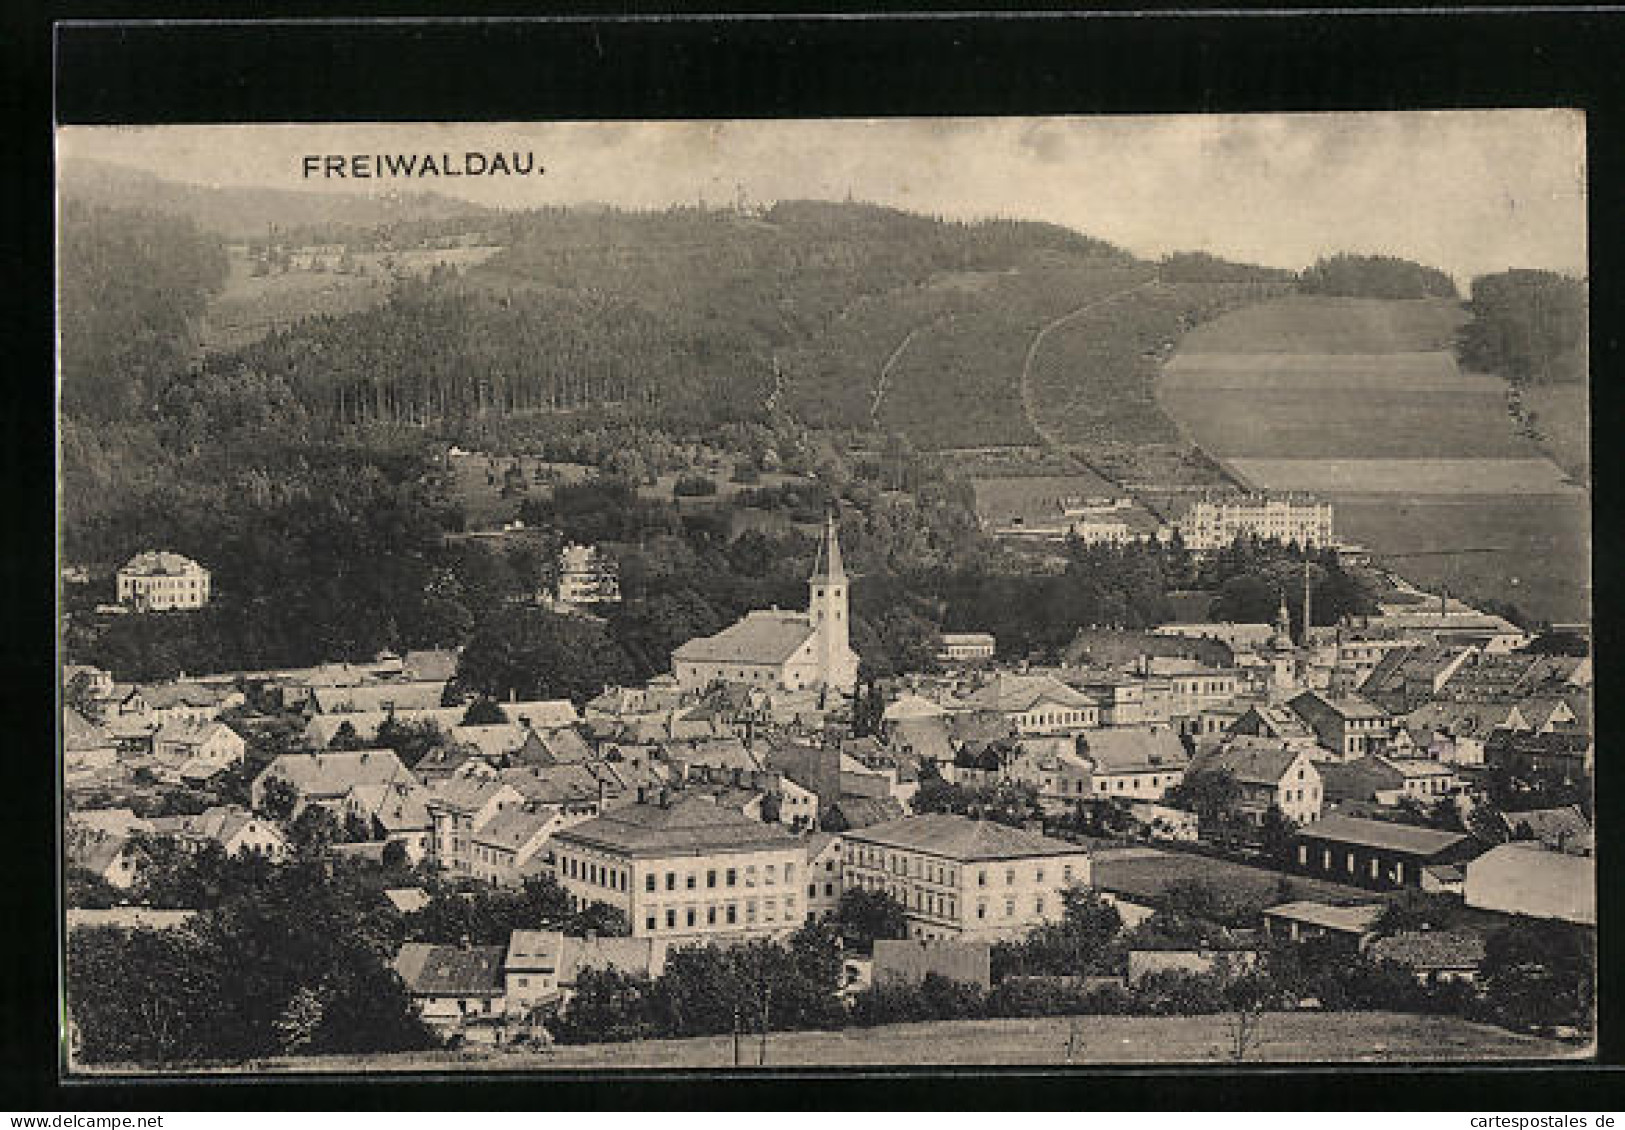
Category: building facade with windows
[158,581]
[685,868]
[1211,524]
[964,879]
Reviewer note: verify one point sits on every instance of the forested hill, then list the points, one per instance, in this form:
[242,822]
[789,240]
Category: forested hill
[688,316]
[238,213]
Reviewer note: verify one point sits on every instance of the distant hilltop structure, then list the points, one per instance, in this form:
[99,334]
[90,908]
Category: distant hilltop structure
[159,581]
[1213,523]
[791,650]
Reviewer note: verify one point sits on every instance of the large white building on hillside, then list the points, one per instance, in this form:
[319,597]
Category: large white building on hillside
[793,650]
[158,581]
[1213,523]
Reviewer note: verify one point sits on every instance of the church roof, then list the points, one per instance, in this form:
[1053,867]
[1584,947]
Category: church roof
[761,637]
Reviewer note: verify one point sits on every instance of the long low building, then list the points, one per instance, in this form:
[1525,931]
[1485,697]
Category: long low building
[1379,853]
[964,879]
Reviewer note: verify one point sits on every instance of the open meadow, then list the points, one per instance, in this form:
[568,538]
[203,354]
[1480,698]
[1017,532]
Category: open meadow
[1312,324]
[1296,1037]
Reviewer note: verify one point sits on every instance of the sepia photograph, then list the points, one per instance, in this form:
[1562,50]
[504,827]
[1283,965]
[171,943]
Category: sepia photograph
[825,593]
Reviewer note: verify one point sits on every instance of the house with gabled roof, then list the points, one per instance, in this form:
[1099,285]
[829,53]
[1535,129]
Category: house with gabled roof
[502,849]
[326,778]
[237,831]
[1433,957]
[1389,780]
[1348,726]
[458,990]
[1270,774]
[396,812]
[460,806]
[367,698]
[86,746]
[1035,704]
[1132,762]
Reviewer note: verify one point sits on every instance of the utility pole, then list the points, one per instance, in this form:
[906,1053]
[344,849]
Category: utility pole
[736,1035]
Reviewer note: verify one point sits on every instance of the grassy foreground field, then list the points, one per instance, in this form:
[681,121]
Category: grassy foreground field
[1301,1037]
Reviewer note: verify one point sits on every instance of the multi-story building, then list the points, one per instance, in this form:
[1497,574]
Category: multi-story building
[685,868]
[158,581]
[964,879]
[1213,523]
[1347,725]
[586,576]
[1035,704]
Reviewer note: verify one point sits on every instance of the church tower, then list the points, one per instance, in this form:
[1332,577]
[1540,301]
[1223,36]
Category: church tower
[827,612]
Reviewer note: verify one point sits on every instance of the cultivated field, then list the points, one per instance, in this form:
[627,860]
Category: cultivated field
[1348,422]
[1541,561]
[1357,401]
[1304,1037]
[1503,477]
[1308,324]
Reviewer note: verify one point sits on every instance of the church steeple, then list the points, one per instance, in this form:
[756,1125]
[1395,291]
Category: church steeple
[827,565]
[827,611]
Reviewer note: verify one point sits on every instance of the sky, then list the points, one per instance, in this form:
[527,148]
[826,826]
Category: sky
[1471,192]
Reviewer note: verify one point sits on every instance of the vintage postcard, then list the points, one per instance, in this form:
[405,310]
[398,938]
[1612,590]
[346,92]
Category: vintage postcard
[825,593]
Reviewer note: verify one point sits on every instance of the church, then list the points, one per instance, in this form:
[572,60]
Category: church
[790,650]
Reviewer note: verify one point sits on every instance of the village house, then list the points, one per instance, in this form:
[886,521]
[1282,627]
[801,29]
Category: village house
[1269,774]
[1132,763]
[159,581]
[792,650]
[457,989]
[1034,704]
[1347,726]
[964,879]
[86,746]
[503,849]
[394,811]
[109,857]
[682,867]
[1456,732]
[370,698]
[1433,957]
[1377,853]
[458,807]
[325,779]
[236,830]
[1119,699]
[196,752]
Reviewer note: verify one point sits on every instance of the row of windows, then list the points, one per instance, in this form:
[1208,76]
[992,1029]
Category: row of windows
[897,863]
[727,877]
[612,878]
[719,914]
[812,890]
